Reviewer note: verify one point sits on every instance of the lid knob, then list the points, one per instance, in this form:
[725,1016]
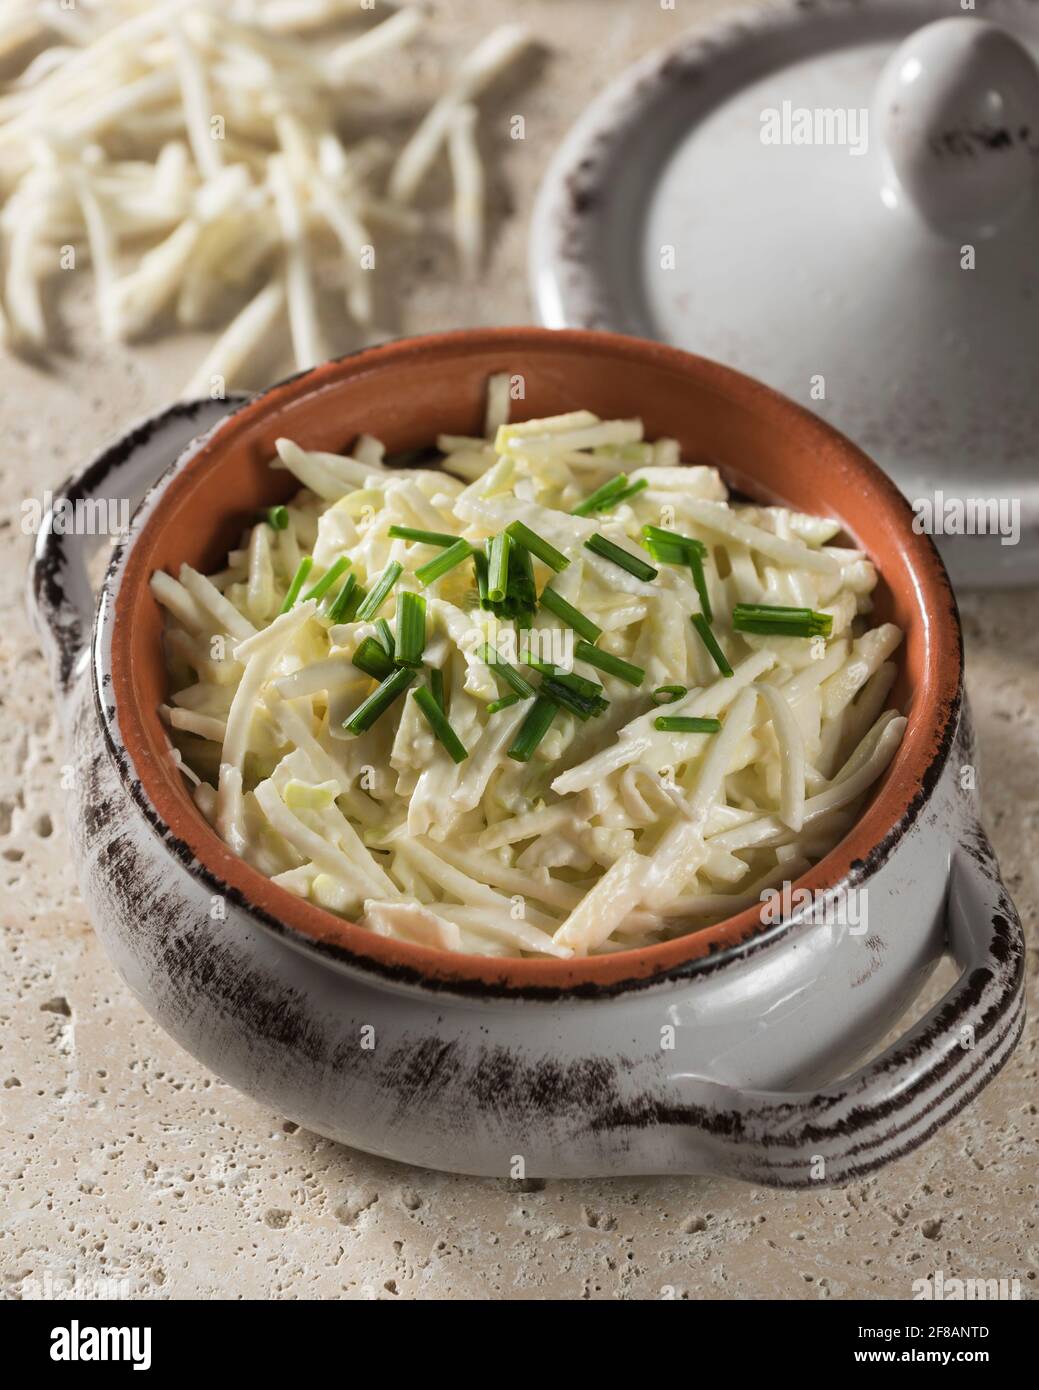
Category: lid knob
[957,108]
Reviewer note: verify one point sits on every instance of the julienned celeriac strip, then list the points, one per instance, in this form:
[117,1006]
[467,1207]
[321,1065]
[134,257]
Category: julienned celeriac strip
[378,707]
[228,162]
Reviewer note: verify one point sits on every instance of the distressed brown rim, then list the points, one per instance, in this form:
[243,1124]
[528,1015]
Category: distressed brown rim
[908,561]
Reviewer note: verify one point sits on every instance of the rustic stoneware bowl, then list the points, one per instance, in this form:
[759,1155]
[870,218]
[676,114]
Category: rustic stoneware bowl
[727,1051]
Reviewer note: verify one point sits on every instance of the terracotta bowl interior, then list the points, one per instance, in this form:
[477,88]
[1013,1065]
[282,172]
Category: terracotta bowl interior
[409,392]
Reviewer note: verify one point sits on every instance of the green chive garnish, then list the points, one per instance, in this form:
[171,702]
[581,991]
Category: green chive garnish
[436,684]
[298,580]
[521,600]
[455,553]
[580,684]
[409,533]
[603,497]
[411,629]
[773,620]
[498,567]
[696,565]
[376,596]
[669,548]
[559,695]
[561,691]
[372,659]
[668,694]
[612,665]
[503,703]
[277,518]
[326,581]
[533,729]
[508,673]
[385,636]
[531,541]
[567,613]
[686,724]
[346,602]
[630,491]
[599,545]
[379,701]
[709,640]
[438,722]
[480,566]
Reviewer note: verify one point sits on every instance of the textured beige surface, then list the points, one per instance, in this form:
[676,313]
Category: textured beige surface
[124,1159]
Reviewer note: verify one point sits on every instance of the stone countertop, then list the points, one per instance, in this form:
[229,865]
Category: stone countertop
[125,1160]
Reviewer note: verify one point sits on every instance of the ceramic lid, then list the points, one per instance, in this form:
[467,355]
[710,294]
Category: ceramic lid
[839,199]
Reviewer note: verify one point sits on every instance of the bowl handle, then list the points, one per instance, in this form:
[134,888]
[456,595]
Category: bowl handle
[901,1097]
[91,509]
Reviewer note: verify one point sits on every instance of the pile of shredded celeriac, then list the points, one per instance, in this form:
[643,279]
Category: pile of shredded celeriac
[518,788]
[194,151]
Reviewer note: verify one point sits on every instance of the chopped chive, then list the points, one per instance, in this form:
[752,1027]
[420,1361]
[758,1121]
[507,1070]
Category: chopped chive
[599,545]
[709,640]
[503,703]
[520,601]
[522,598]
[372,659]
[612,665]
[385,636]
[480,566]
[668,547]
[411,629]
[603,497]
[630,491]
[775,620]
[686,724]
[436,684]
[581,685]
[346,601]
[567,613]
[455,553]
[508,673]
[277,518]
[410,533]
[560,691]
[668,694]
[533,729]
[326,581]
[498,567]
[699,579]
[576,692]
[298,580]
[376,596]
[530,540]
[438,722]
[665,552]
[379,701]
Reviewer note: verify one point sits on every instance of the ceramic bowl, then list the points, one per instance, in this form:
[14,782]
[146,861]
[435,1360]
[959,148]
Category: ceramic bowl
[729,1050]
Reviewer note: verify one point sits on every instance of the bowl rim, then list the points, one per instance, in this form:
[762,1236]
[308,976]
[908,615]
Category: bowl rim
[196,845]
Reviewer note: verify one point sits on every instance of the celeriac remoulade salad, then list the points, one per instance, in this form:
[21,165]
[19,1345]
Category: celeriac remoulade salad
[552,695]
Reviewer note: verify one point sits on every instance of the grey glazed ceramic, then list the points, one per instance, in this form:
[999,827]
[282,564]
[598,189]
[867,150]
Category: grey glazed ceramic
[725,1064]
[875,262]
